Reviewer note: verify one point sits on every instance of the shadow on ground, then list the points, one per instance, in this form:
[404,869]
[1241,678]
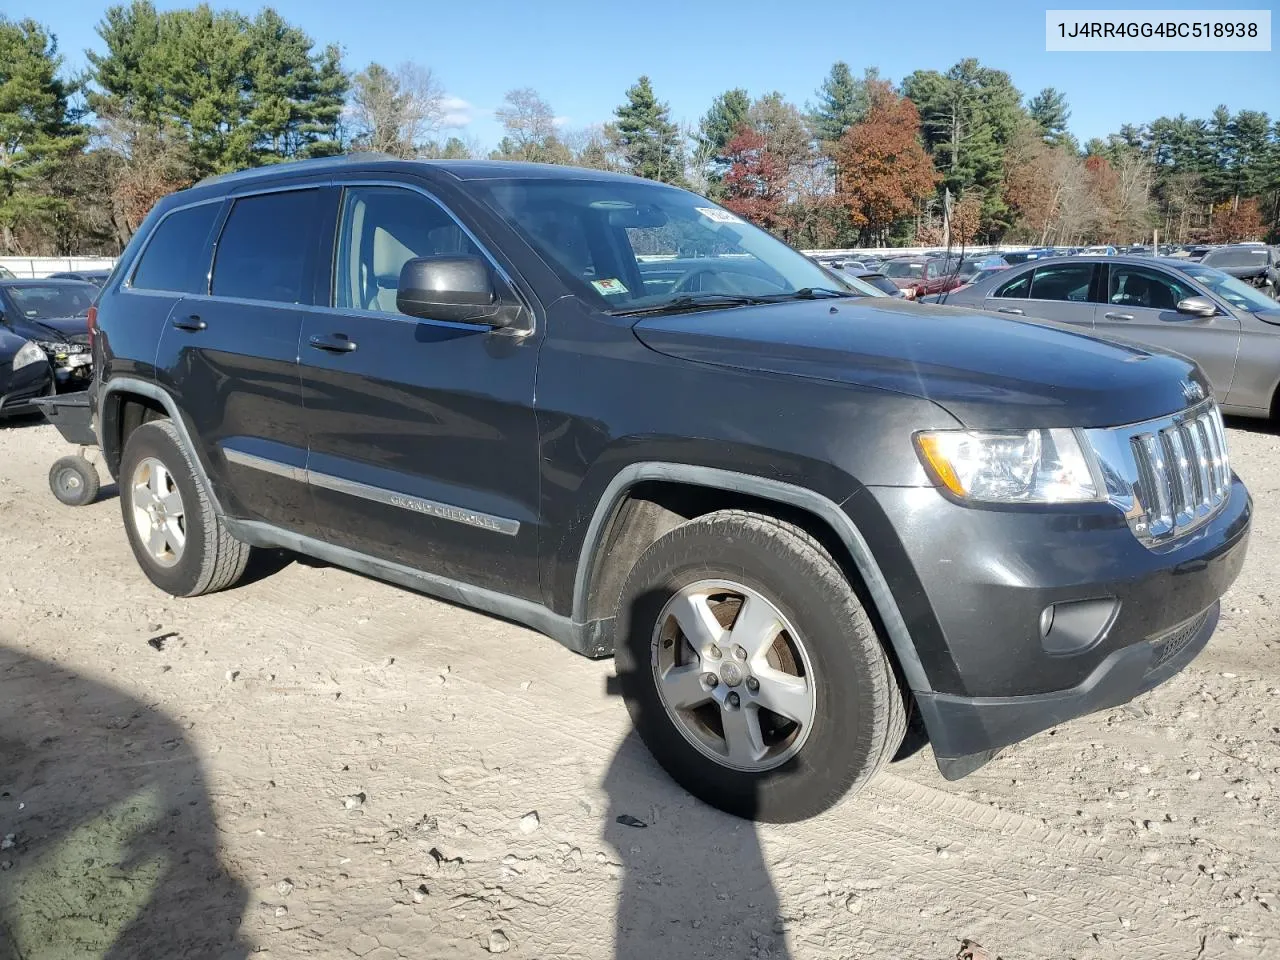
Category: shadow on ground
[110,846]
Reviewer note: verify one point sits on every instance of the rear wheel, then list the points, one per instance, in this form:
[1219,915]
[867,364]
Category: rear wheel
[176,536]
[751,670]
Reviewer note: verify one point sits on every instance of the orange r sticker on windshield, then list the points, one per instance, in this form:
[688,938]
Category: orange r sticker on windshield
[609,286]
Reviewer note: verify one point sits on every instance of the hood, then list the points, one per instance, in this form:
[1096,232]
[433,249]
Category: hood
[989,372]
[55,328]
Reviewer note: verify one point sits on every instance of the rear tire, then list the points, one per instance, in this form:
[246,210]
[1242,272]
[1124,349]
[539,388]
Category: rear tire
[827,649]
[176,535]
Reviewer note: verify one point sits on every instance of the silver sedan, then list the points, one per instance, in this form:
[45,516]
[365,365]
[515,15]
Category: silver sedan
[1230,328]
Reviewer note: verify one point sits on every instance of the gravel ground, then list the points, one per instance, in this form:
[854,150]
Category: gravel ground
[316,764]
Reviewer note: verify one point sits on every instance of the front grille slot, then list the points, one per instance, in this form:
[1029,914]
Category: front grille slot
[1180,472]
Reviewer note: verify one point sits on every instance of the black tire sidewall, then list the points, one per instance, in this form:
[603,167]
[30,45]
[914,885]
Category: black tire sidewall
[825,612]
[157,439]
[89,482]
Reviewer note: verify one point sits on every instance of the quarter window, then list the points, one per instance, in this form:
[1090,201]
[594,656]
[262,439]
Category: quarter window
[383,228]
[174,256]
[1144,287]
[267,247]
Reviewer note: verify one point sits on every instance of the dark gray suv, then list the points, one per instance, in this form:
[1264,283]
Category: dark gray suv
[615,412]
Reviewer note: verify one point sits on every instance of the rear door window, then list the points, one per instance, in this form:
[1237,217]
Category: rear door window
[1064,281]
[1016,288]
[174,256]
[267,247]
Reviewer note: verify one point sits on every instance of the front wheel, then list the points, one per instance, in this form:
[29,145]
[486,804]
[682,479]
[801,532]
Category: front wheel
[752,671]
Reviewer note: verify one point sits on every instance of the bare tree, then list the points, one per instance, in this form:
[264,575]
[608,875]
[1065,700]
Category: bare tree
[1132,213]
[395,112]
[147,163]
[530,124]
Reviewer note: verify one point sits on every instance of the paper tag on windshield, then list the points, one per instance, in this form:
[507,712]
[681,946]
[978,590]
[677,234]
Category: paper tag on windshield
[717,215]
[610,286]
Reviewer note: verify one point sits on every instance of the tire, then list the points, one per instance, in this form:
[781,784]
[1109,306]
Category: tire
[74,481]
[858,714]
[207,558]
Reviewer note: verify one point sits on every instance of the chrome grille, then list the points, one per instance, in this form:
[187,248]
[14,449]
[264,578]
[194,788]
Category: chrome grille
[1168,475]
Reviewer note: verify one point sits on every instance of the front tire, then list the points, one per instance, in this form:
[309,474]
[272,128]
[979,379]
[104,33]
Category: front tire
[752,671]
[176,535]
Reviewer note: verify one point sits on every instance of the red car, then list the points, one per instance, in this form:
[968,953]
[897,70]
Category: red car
[921,276]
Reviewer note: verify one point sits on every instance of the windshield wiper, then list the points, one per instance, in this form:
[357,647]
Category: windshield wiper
[691,302]
[809,293]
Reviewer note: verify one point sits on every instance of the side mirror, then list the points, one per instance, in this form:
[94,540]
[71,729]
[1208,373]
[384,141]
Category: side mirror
[460,289]
[1197,307]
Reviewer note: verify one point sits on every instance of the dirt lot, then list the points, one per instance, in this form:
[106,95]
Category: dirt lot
[318,764]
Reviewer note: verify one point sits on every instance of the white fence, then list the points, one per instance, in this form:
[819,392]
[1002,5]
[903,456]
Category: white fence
[35,267]
[913,251]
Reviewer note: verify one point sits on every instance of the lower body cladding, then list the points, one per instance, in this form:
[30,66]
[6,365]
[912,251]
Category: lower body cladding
[1024,618]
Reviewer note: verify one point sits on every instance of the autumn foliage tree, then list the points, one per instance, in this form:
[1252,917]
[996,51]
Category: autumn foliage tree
[755,185]
[1234,222]
[884,170]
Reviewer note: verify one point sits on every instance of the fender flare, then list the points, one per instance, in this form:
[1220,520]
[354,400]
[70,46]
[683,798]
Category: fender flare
[165,399]
[776,490]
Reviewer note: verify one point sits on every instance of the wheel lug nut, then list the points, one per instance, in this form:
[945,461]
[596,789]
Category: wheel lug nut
[733,700]
[740,653]
[711,680]
[715,652]
[753,684]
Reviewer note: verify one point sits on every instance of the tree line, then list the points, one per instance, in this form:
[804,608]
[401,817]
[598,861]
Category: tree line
[178,95]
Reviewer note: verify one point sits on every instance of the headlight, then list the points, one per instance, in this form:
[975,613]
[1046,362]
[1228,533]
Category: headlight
[27,354]
[1025,466]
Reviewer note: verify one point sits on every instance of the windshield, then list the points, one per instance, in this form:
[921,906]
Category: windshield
[1237,257]
[36,301]
[1236,292]
[903,268]
[636,246]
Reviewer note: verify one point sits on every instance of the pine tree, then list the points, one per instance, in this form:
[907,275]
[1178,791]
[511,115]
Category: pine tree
[842,101]
[39,135]
[1049,110]
[645,136]
[720,124]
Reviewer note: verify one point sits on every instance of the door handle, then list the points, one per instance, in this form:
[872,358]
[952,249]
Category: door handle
[1013,310]
[192,323]
[334,343]
[1118,316]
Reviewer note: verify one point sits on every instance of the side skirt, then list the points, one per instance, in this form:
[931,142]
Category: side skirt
[580,638]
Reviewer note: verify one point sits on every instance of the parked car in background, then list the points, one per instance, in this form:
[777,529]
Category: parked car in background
[1253,263]
[1022,256]
[881,283]
[96,277]
[1227,326]
[947,297]
[24,373]
[1198,251]
[52,313]
[1105,250]
[6,274]
[920,276]
[828,514]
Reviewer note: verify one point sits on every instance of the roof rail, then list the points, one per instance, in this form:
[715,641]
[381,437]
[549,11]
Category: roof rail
[313,164]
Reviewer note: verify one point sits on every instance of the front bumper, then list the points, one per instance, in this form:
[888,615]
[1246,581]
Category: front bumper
[966,732]
[33,380]
[973,585]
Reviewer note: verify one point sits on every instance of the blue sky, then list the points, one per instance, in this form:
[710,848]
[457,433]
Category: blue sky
[581,55]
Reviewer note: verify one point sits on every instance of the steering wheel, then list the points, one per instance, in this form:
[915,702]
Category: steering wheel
[682,285]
